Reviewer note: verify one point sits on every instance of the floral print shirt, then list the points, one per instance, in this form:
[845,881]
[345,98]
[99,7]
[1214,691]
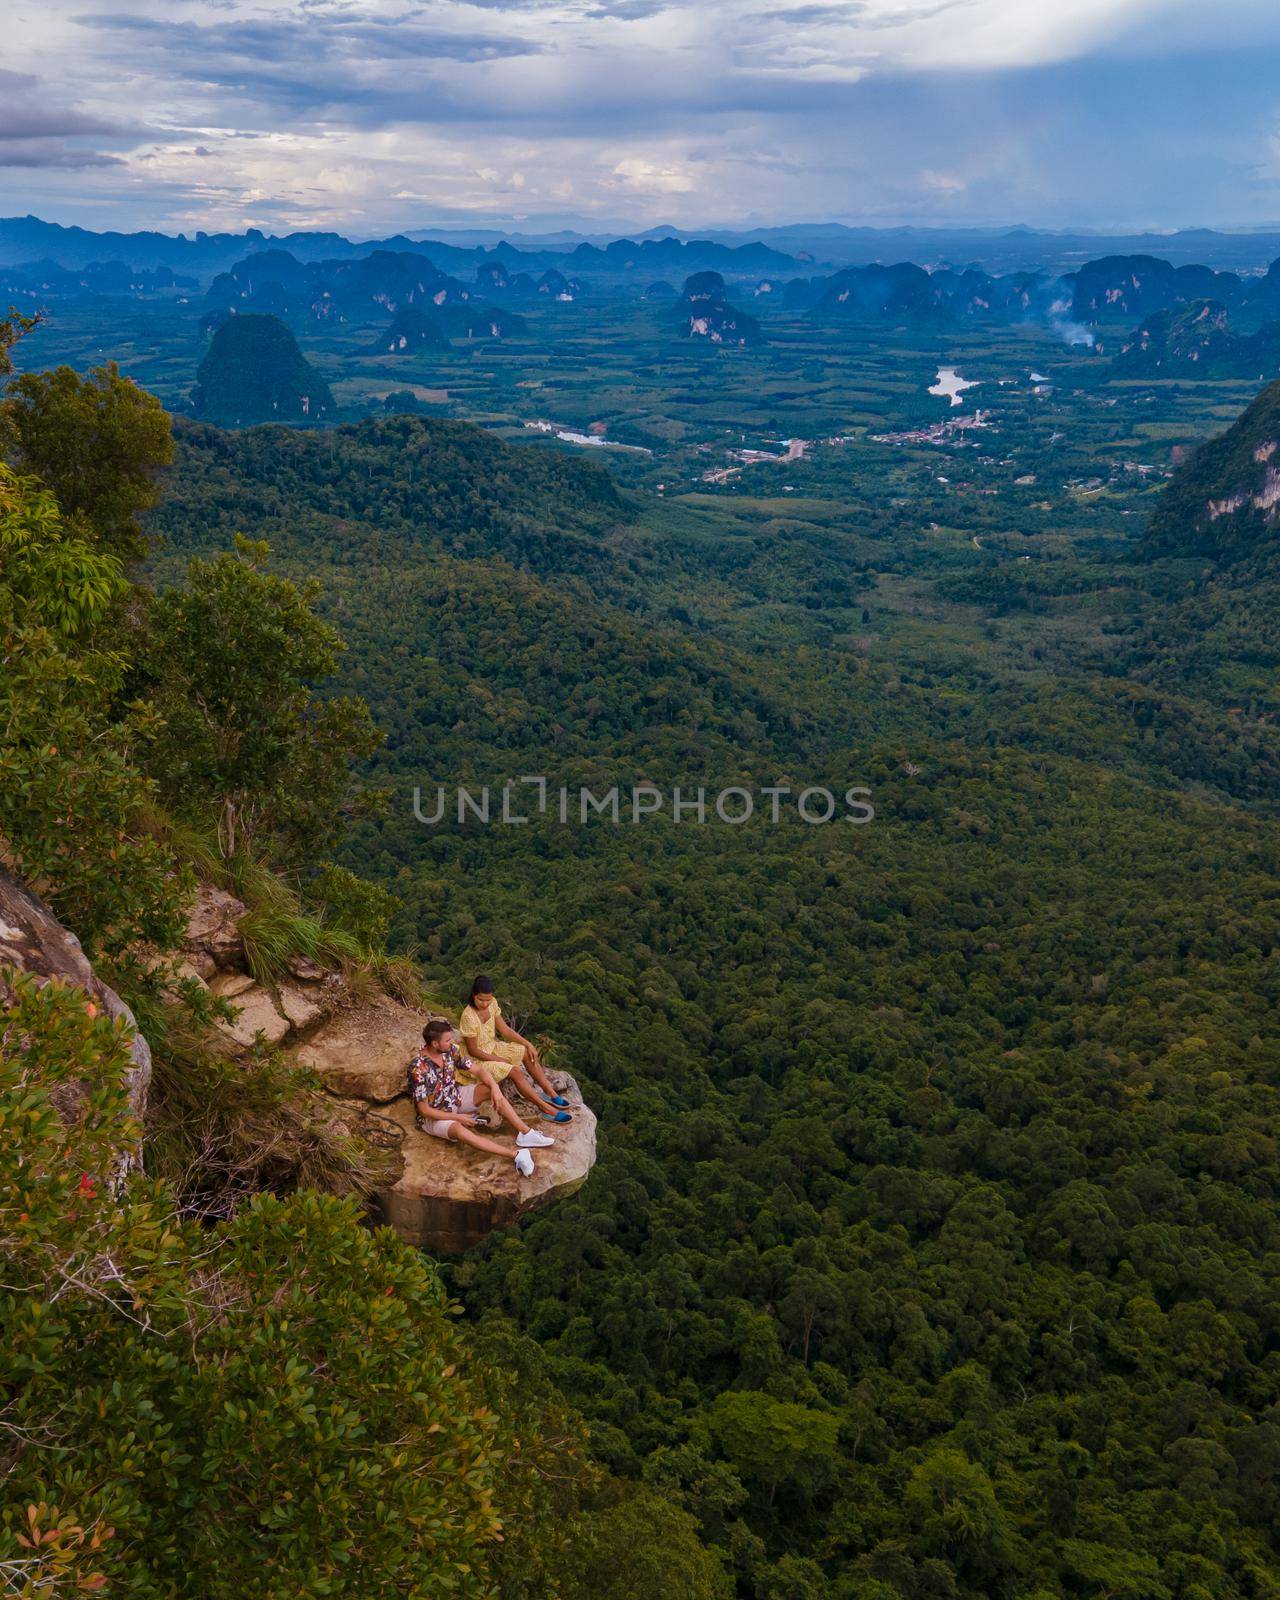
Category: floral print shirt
[436,1082]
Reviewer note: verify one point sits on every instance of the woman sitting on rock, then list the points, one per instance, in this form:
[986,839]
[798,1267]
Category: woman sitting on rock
[450,1110]
[495,1058]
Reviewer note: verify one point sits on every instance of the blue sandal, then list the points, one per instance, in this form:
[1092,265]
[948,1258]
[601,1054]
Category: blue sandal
[556,1100]
[557,1116]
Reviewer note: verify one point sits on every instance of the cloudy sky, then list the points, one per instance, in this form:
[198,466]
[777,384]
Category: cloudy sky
[374,115]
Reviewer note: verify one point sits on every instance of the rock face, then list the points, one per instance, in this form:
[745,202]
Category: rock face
[258,1015]
[213,937]
[363,1054]
[1224,502]
[32,939]
[214,950]
[448,1197]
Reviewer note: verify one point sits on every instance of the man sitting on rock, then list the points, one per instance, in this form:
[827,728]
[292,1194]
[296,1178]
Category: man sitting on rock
[449,1109]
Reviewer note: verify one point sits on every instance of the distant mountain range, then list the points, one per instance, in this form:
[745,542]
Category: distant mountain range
[28,239]
[1110,289]
[480,293]
[774,249]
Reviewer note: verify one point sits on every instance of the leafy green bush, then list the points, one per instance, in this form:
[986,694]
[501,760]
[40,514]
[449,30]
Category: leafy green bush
[276,1406]
[360,908]
[97,443]
[73,806]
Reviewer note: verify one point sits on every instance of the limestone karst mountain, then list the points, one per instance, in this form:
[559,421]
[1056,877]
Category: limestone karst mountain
[1224,502]
[253,371]
[411,332]
[360,289]
[1198,341]
[706,313]
[481,321]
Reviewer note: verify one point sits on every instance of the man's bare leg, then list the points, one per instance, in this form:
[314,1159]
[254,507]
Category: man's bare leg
[503,1108]
[465,1135]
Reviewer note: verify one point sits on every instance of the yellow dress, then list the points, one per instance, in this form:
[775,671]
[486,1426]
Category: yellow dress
[484,1030]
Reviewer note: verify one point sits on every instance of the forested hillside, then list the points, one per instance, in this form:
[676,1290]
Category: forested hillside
[931,1249]
[215,1380]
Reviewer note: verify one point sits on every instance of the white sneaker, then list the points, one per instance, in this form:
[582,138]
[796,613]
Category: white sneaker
[533,1140]
[524,1163]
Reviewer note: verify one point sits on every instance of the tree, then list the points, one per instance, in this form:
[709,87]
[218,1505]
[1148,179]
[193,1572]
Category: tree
[952,1503]
[97,443]
[633,1544]
[12,328]
[73,806]
[231,660]
[773,1443]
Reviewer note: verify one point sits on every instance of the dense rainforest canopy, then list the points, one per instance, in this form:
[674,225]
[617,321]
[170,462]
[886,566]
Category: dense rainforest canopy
[931,1250]
[932,1246]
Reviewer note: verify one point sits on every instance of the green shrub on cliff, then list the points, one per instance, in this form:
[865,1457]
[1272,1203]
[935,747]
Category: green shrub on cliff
[230,661]
[97,443]
[275,1407]
[73,803]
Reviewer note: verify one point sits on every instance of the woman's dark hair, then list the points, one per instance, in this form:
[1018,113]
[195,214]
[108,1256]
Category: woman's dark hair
[435,1030]
[482,985]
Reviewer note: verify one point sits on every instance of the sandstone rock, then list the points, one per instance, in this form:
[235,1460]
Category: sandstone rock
[305,969]
[257,1015]
[33,939]
[227,985]
[364,1053]
[449,1197]
[300,1008]
[213,928]
[171,970]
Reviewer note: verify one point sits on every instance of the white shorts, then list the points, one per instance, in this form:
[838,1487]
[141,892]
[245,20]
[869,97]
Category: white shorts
[441,1129]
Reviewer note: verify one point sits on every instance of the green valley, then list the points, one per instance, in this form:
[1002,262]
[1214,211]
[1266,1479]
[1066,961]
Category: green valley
[930,1249]
[939,1151]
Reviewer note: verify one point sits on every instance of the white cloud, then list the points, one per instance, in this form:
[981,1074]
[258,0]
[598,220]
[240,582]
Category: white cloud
[636,173]
[378,114]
